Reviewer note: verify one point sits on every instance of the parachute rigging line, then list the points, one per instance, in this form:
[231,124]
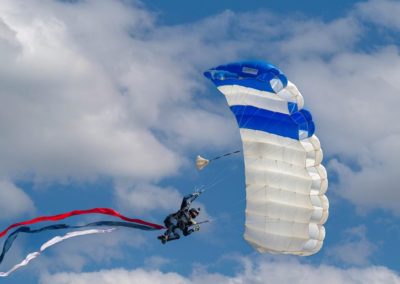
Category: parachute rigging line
[225,155]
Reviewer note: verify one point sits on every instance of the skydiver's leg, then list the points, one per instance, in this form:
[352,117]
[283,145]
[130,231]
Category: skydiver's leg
[169,224]
[186,231]
[175,235]
[184,227]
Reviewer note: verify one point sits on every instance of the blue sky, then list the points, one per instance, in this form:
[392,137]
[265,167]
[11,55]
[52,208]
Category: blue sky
[189,12]
[103,104]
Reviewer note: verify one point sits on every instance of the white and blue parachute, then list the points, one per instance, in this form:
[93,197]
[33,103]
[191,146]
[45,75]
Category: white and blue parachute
[286,205]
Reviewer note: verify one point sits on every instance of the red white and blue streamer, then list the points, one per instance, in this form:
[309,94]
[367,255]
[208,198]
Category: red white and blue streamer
[104,211]
[22,228]
[52,242]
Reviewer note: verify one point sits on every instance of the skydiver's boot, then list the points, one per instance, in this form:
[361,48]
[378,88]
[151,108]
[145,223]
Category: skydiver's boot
[163,238]
[175,237]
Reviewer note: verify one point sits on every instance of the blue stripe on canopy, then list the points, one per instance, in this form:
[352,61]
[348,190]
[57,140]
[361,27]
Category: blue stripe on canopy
[252,74]
[276,123]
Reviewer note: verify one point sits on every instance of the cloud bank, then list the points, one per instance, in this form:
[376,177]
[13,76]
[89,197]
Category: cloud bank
[254,273]
[97,88]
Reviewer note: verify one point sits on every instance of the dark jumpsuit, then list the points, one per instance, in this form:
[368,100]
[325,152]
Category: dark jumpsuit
[180,220]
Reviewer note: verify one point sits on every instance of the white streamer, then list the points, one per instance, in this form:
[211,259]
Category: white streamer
[51,242]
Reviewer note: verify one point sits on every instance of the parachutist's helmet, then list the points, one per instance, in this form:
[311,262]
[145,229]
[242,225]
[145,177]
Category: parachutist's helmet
[194,212]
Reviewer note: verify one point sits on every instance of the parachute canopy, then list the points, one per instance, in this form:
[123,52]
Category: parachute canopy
[201,162]
[286,205]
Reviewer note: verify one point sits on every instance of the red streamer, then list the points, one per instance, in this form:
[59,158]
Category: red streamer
[105,211]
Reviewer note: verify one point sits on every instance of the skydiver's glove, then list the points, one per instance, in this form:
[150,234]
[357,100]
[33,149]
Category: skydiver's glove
[196,228]
[197,193]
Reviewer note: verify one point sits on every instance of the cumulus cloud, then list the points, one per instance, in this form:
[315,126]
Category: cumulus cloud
[91,93]
[352,94]
[253,272]
[354,249]
[144,198]
[148,197]
[353,97]
[380,12]
[90,90]
[77,254]
[156,262]
[116,276]
[14,201]
[354,110]
[98,88]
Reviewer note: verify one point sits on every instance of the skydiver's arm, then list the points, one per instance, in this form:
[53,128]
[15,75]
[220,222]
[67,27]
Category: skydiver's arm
[187,231]
[188,199]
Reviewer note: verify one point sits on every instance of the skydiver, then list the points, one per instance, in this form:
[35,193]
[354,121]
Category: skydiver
[182,219]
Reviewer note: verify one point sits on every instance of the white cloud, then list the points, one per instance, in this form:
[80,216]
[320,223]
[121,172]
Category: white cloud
[313,38]
[353,97]
[156,262]
[143,199]
[375,185]
[77,254]
[354,249]
[352,94]
[253,272]
[91,88]
[116,276]
[381,12]
[8,45]
[97,88]
[14,201]
[147,197]
[184,130]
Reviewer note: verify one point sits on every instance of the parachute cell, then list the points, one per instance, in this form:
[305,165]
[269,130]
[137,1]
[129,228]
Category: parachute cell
[286,205]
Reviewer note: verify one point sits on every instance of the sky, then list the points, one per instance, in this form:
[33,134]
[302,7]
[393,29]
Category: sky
[104,104]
